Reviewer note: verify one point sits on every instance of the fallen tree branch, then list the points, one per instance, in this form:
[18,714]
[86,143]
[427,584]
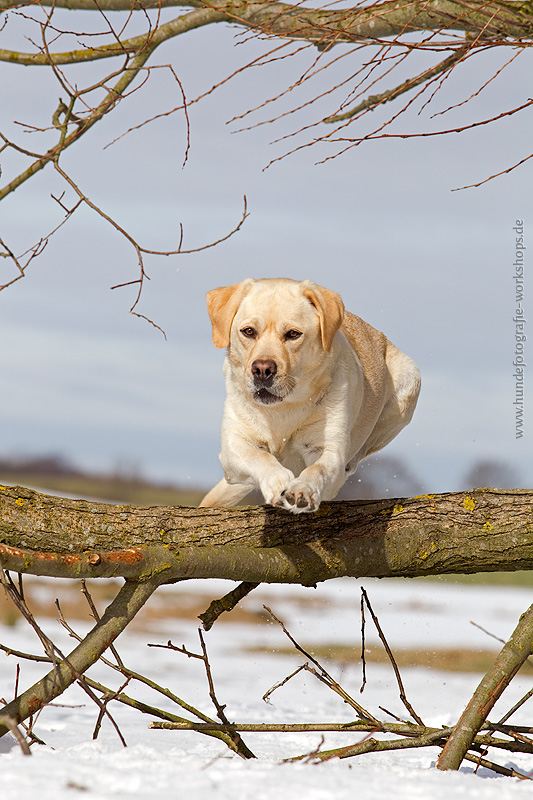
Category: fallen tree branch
[138,705]
[409,730]
[485,530]
[131,597]
[324,677]
[497,679]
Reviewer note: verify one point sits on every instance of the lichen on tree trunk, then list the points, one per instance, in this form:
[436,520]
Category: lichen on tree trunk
[463,532]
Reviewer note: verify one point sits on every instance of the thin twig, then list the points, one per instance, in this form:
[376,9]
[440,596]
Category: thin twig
[381,635]
[87,689]
[20,603]
[324,676]
[104,712]
[130,598]
[279,684]
[363,659]
[10,723]
[242,749]
[374,101]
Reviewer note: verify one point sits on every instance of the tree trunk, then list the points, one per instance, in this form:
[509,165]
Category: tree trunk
[480,531]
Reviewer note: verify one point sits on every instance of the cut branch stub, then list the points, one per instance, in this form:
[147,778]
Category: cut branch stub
[480,531]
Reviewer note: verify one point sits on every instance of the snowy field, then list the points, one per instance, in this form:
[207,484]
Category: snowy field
[176,763]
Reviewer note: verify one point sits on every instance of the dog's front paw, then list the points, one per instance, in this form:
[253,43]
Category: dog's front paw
[273,485]
[299,497]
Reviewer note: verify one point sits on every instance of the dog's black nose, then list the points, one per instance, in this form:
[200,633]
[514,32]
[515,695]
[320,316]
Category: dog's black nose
[264,369]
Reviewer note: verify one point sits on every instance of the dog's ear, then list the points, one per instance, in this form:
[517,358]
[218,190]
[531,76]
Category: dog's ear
[222,305]
[330,309]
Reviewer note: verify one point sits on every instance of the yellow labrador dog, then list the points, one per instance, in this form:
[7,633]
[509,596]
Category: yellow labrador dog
[311,391]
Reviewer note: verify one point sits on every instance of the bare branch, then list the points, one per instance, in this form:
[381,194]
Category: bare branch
[130,598]
[241,748]
[279,684]
[509,661]
[145,43]
[509,772]
[226,603]
[424,77]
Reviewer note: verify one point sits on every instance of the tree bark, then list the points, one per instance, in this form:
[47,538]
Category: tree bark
[480,531]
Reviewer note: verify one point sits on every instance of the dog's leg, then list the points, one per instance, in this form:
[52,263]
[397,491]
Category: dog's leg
[225,494]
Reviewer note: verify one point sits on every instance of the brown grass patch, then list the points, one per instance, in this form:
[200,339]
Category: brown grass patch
[107,488]
[41,595]
[447,659]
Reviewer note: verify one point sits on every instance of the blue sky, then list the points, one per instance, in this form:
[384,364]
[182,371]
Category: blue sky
[429,266]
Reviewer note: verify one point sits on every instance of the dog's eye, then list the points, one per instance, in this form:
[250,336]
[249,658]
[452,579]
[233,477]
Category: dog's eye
[248,332]
[293,334]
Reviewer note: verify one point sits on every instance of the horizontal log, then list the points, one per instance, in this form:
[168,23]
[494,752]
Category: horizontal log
[484,530]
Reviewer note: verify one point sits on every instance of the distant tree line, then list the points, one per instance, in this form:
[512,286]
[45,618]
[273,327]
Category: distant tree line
[390,476]
[377,477]
[51,464]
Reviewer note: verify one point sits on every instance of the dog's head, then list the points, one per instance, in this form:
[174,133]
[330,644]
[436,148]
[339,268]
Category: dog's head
[277,332]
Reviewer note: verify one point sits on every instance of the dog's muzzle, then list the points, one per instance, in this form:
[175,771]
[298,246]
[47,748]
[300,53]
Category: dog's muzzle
[263,373]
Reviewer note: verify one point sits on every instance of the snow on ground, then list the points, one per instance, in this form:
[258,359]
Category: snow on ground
[172,763]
